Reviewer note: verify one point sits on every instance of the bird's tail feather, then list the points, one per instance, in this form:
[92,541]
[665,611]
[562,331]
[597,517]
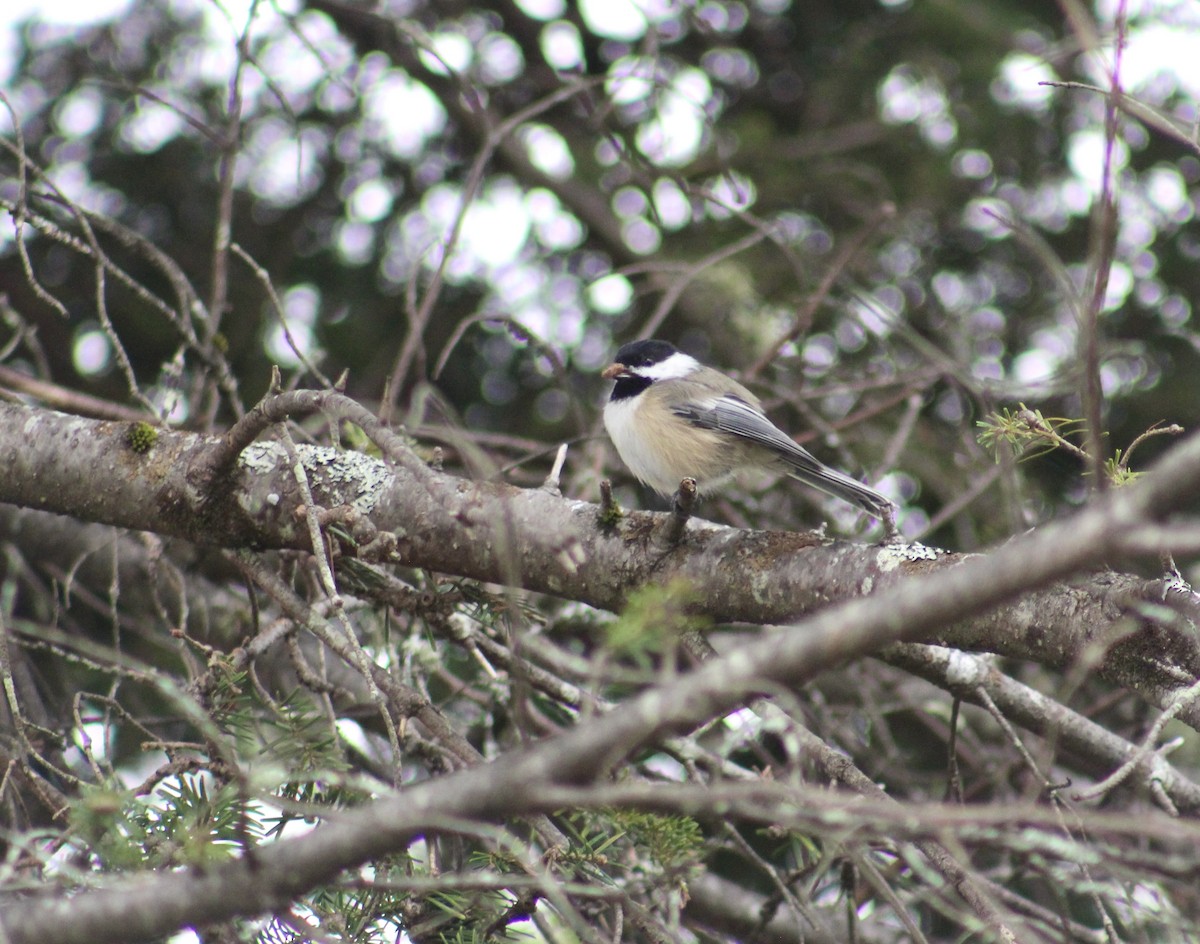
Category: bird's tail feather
[847,489]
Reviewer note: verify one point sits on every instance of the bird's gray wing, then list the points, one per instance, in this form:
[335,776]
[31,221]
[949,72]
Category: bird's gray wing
[731,414]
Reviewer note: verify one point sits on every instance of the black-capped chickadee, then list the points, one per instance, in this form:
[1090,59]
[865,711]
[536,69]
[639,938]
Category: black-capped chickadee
[671,418]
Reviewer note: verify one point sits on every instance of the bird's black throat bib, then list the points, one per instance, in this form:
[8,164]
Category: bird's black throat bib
[629,386]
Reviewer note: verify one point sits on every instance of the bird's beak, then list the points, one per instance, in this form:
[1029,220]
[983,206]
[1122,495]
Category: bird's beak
[613,371]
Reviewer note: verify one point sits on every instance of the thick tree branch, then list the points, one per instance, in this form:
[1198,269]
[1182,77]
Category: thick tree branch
[536,540]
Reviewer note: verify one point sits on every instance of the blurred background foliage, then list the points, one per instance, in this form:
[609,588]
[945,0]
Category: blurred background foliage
[889,188]
[878,213]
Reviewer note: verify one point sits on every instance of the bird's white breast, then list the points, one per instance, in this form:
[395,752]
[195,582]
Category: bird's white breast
[621,421]
[660,449]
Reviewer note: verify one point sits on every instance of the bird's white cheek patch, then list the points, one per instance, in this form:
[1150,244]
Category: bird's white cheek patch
[676,366]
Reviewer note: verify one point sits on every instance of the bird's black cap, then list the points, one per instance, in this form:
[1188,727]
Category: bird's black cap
[645,353]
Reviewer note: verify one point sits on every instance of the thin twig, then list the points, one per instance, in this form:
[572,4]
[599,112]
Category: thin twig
[681,510]
[1104,248]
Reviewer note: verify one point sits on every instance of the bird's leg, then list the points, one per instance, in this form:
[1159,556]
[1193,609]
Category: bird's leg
[681,510]
[891,534]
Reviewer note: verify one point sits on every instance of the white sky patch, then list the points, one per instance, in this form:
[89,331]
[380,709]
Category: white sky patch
[1019,82]
[1120,284]
[448,49]
[79,113]
[972,164]
[1058,341]
[1167,191]
[91,351]
[371,201]
[296,64]
[74,183]
[630,79]
[950,290]
[629,202]
[819,352]
[501,59]
[981,215]
[547,150]
[743,722]
[1034,367]
[672,206]
[610,294]
[614,19]
[667,767]
[93,734]
[150,125]
[521,286]
[495,228]
[497,225]
[674,135]
[1138,222]
[908,97]
[1085,157]
[352,733]
[562,46]
[226,21]
[730,192]
[13,12]
[405,113]
[300,307]
[1159,48]
[873,312]
[282,353]
[280,165]
[1076,196]
[355,242]
[543,9]
[556,229]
